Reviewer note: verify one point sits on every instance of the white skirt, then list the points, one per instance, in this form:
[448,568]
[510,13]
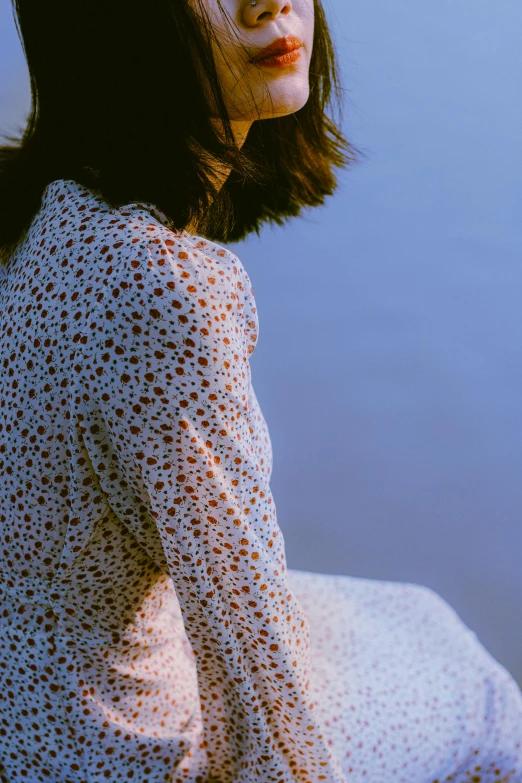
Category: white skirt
[405,690]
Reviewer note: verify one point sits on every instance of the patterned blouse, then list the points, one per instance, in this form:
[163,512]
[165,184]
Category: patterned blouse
[150,628]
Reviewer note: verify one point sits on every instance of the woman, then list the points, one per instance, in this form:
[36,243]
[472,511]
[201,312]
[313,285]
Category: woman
[151,631]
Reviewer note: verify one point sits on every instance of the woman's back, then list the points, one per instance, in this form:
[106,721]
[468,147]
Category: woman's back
[96,667]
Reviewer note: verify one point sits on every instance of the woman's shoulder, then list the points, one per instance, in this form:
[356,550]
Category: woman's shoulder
[75,213]
[76,219]
[134,248]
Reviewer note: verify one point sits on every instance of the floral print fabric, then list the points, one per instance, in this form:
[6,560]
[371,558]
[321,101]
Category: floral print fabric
[150,628]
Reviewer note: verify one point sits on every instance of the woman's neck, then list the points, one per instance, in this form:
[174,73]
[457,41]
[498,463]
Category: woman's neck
[240,130]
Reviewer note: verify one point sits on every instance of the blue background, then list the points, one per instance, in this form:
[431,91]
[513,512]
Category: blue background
[389,363]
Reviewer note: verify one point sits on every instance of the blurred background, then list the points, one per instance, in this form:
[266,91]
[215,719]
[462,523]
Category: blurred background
[389,362]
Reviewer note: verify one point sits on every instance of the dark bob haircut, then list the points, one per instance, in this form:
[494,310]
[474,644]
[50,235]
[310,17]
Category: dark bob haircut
[118,104]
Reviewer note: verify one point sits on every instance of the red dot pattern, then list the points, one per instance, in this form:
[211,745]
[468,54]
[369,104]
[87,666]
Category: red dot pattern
[150,630]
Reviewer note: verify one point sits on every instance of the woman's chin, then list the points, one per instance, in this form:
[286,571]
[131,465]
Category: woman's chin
[281,102]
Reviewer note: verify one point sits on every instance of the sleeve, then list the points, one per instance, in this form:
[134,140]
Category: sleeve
[162,403]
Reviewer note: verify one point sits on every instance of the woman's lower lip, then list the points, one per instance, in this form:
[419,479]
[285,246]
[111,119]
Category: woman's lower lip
[280,60]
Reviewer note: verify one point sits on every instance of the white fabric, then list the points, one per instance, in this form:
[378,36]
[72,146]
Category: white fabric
[150,628]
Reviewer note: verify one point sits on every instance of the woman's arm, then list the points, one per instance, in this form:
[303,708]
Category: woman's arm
[162,400]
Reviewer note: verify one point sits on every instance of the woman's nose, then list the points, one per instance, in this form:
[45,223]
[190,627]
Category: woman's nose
[255,11]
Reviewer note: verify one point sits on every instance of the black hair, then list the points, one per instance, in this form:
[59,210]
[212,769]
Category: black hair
[118,105]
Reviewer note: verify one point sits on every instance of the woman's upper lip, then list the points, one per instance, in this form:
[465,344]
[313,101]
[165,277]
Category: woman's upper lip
[280,46]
